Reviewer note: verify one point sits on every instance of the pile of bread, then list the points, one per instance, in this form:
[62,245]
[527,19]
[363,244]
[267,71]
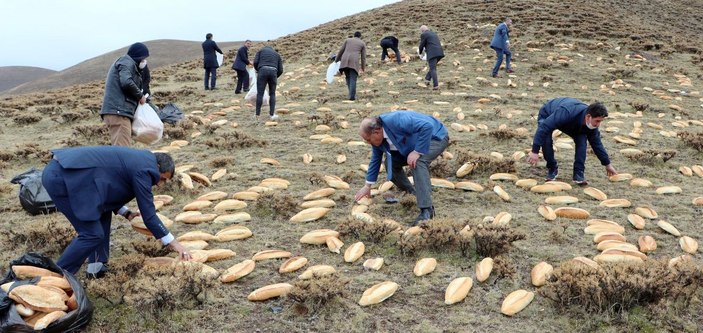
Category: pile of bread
[42,303]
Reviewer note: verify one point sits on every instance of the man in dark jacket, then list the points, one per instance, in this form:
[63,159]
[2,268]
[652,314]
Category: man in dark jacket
[390,42]
[429,42]
[269,67]
[404,138]
[146,82]
[210,61]
[89,184]
[501,44]
[123,93]
[580,122]
[240,66]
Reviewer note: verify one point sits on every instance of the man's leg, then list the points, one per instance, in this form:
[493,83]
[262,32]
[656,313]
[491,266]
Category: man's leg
[213,78]
[102,252]
[272,81]
[353,75]
[384,53]
[346,79]
[260,89]
[397,54]
[508,56]
[245,82]
[240,80]
[499,61]
[421,173]
[206,78]
[120,129]
[399,179]
[580,158]
[433,72]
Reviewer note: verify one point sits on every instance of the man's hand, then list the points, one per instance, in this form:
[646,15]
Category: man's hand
[610,170]
[532,158]
[412,158]
[143,100]
[363,192]
[132,215]
[183,253]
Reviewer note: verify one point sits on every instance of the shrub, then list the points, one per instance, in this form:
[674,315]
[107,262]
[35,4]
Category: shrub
[494,240]
[26,119]
[311,295]
[49,236]
[234,140]
[695,140]
[275,204]
[484,164]
[506,134]
[374,231]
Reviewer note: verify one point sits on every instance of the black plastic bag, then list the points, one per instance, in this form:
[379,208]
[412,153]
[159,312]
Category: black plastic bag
[11,321]
[170,113]
[33,197]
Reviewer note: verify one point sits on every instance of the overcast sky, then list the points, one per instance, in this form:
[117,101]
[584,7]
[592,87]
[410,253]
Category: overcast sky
[57,34]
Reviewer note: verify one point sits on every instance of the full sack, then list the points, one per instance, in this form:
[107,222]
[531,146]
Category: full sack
[251,95]
[147,127]
[332,70]
[33,196]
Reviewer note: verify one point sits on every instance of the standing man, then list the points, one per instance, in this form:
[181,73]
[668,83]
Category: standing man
[429,42]
[240,65]
[210,61]
[580,122]
[404,138]
[269,67]
[123,93]
[390,42]
[89,184]
[501,44]
[352,49]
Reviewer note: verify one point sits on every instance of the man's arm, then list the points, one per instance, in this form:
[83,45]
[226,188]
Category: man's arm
[127,83]
[363,57]
[341,51]
[257,57]
[598,148]
[141,184]
[423,43]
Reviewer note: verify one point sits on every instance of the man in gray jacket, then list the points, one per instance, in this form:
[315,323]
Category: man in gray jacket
[429,42]
[269,67]
[123,93]
[353,50]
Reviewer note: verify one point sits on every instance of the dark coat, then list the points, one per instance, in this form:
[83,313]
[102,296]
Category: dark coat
[146,80]
[500,37]
[123,88]
[389,42]
[105,178]
[351,52]
[209,56]
[429,42]
[267,56]
[242,59]
[568,115]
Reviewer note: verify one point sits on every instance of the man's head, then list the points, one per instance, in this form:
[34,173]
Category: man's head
[247,43]
[208,36]
[138,52]
[508,21]
[371,130]
[357,34]
[423,28]
[166,167]
[595,114]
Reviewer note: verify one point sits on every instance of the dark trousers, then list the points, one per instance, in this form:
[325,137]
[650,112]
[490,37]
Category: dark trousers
[432,73]
[421,173]
[350,75]
[210,75]
[93,240]
[580,144]
[384,54]
[499,60]
[242,81]
[266,77]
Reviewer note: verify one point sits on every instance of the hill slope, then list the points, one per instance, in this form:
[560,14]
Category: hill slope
[12,76]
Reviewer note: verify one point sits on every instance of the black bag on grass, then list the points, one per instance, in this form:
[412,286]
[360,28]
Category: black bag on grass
[170,113]
[33,197]
[11,321]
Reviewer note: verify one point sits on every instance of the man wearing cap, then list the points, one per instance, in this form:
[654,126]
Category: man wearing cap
[404,138]
[123,93]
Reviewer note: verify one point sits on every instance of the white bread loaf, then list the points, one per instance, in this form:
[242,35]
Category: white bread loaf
[457,290]
[516,301]
[378,293]
[425,266]
[270,291]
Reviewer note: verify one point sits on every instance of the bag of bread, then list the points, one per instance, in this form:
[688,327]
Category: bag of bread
[36,294]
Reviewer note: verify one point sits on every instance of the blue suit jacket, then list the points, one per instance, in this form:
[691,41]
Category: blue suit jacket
[242,59]
[105,178]
[500,36]
[408,130]
[567,115]
[209,56]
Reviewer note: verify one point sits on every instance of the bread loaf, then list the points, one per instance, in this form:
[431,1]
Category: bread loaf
[501,193]
[233,218]
[270,291]
[319,194]
[585,262]
[354,252]
[595,193]
[686,171]
[697,201]
[617,258]
[646,212]
[213,196]
[468,186]
[438,182]
[636,221]
[613,203]
[616,244]
[698,170]
[541,273]
[688,244]
[640,182]
[457,290]
[218,174]
[196,235]
[603,227]
[547,212]
[246,195]
[564,186]
[425,266]
[546,188]
[526,183]
[270,161]
[465,169]
[503,176]
[219,254]
[608,235]
[316,271]
[318,237]
[336,182]
[334,244]
[23,310]
[375,263]
[561,200]
[230,204]
[630,252]
[23,272]
[647,244]
[238,271]
[680,259]
[53,281]
[38,298]
[516,301]
[271,254]
[572,213]
[668,190]
[200,178]
[309,214]
[620,177]
[165,198]
[378,293]
[293,264]
[668,227]
[233,232]
[45,321]
[194,245]
[324,203]
[196,218]
[483,269]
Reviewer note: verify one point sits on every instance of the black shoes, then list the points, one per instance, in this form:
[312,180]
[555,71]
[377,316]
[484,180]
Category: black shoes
[552,174]
[99,274]
[425,214]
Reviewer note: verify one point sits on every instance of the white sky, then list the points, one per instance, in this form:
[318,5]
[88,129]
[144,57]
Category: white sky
[57,34]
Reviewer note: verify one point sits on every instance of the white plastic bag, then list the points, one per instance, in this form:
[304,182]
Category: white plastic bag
[332,70]
[147,127]
[220,59]
[251,95]
[423,56]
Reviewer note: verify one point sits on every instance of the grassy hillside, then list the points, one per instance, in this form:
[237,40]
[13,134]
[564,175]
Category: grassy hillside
[12,76]
[640,58]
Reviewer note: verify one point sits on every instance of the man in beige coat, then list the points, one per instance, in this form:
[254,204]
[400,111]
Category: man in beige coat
[352,49]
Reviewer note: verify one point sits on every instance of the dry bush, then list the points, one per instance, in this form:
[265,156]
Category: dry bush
[492,240]
[111,286]
[92,131]
[484,164]
[695,140]
[26,119]
[506,134]
[47,237]
[503,267]
[317,178]
[69,117]
[6,155]
[639,106]
[234,140]
[440,168]
[373,231]
[221,162]
[275,204]
[439,234]
[650,156]
[32,151]
[150,248]
[172,132]
[313,294]
[620,287]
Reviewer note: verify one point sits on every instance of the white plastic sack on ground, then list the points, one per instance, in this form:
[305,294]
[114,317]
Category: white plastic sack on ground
[251,95]
[147,127]
[220,59]
[332,70]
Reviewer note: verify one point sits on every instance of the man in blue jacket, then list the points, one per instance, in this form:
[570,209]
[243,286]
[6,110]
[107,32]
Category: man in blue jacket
[210,61]
[430,44]
[580,122]
[501,44]
[404,138]
[240,66]
[89,184]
